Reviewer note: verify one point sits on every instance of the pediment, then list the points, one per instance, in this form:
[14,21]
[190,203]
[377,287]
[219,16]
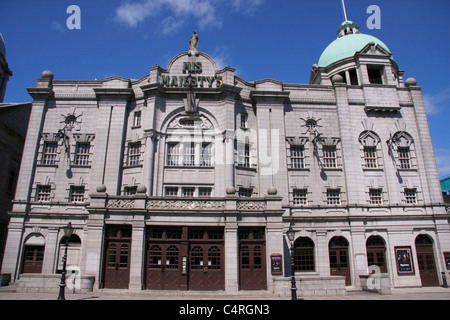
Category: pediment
[375,49]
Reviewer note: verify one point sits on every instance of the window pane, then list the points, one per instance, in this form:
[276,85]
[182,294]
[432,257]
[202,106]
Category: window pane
[333,196]
[137,119]
[206,155]
[50,150]
[243,155]
[375,196]
[134,154]
[300,196]
[204,192]
[171,192]
[77,193]
[188,192]
[43,193]
[189,154]
[411,196]
[404,157]
[298,157]
[173,154]
[370,157]
[82,154]
[329,157]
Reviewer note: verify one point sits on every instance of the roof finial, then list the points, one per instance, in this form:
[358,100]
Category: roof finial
[345,11]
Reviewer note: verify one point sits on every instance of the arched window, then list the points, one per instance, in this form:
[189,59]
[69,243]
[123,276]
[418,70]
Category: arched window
[73,251]
[369,141]
[304,255]
[376,253]
[401,146]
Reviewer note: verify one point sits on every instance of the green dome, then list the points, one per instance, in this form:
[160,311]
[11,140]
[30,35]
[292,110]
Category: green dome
[346,46]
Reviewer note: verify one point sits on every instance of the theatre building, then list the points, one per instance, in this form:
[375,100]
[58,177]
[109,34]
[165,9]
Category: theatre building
[189,178]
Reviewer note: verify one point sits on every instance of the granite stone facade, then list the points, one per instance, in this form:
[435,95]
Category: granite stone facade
[190,177]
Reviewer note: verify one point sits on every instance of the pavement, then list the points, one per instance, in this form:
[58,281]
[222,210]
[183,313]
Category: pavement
[432,293]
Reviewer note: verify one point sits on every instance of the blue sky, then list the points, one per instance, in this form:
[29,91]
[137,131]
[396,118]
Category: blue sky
[279,39]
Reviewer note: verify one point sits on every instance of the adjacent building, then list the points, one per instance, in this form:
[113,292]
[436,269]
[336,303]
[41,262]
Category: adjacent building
[190,177]
[13,127]
[445,185]
[5,72]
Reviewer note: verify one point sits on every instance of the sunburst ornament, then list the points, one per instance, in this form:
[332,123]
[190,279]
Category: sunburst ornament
[71,121]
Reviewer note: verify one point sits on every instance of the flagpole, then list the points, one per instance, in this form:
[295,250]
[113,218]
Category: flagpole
[345,12]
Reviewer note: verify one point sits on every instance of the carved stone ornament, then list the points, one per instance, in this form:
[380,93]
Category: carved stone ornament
[185,205]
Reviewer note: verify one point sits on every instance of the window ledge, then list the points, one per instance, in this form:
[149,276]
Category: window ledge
[246,168]
[407,170]
[47,165]
[299,169]
[186,167]
[373,169]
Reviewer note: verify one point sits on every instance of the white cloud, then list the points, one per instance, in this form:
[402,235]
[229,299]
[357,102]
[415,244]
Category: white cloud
[434,104]
[247,7]
[131,14]
[57,26]
[173,14]
[170,24]
[221,55]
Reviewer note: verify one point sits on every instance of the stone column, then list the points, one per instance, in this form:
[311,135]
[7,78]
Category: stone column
[137,254]
[229,137]
[426,161]
[231,263]
[351,159]
[323,259]
[274,245]
[149,160]
[93,249]
[51,256]
[112,137]
[28,165]
[13,248]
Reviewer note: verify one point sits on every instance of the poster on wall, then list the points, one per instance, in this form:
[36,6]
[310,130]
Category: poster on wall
[447,260]
[404,260]
[276,263]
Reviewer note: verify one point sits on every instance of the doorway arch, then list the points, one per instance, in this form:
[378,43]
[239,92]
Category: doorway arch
[376,253]
[339,258]
[33,257]
[426,261]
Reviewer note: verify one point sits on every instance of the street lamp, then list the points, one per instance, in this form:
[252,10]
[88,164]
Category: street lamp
[291,236]
[68,231]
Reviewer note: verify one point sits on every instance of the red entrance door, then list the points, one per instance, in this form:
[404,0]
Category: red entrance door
[163,267]
[33,259]
[339,262]
[252,254]
[117,257]
[206,267]
[426,261]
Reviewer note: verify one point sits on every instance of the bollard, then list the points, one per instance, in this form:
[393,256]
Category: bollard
[444,280]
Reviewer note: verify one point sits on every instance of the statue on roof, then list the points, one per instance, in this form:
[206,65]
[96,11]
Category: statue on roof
[193,44]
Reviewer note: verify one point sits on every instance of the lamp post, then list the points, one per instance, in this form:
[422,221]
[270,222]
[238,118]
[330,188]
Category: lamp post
[68,231]
[291,236]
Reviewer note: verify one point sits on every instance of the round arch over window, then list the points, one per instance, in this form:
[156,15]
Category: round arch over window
[376,253]
[369,139]
[423,239]
[304,255]
[74,241]
[338,242]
